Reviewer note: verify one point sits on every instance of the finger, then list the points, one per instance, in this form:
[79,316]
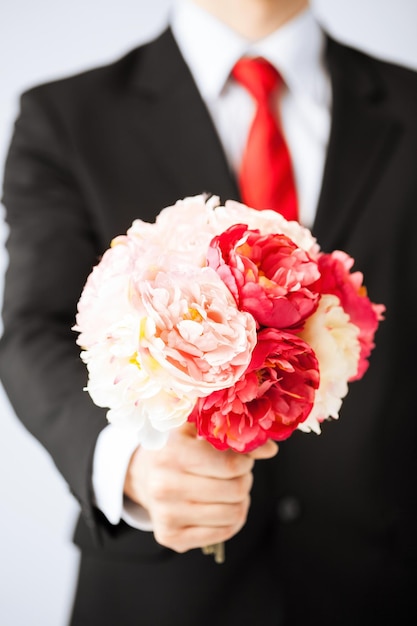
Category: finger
[188,429]
[179,489]
[206,515]
[195,537]
[194,455]
[200,526]
[267,451]
[212,490]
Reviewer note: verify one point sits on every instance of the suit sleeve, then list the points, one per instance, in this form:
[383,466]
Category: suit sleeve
[51,249]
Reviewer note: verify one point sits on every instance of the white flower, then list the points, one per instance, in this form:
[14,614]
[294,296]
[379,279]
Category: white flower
[335,342]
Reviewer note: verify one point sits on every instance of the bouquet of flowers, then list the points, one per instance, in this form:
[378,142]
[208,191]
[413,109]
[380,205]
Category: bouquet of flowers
[225,316]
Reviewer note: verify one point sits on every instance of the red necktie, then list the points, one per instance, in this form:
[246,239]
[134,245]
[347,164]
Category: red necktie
[266,177]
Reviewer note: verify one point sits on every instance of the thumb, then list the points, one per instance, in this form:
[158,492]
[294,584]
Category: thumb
[267,451]
[188,429]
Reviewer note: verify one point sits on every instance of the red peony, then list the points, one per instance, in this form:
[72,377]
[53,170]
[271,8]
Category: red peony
[268,275]
[275,394]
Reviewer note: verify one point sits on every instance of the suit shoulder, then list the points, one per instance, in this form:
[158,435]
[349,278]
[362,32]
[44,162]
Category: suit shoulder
[396,81]
[395,73]
[365,56]
[88,84]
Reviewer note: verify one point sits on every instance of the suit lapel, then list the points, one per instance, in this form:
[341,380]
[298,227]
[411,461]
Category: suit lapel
[178,133]
[176,125]
[362,139]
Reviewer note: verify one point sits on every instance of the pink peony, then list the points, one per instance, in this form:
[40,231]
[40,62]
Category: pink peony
[268,275]
[182,231]
[193,336]
[155,339]
[271,399]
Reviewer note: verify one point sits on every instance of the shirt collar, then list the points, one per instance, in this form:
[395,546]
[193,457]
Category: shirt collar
[210,49]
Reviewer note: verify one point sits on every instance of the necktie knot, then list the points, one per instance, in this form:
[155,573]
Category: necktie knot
[258,76]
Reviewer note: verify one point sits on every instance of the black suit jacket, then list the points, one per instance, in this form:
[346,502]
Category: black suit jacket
[333,518]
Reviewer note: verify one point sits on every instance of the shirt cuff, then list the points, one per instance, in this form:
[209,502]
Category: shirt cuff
[114,448]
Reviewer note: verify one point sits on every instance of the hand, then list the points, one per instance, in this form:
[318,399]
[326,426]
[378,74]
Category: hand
[195,495]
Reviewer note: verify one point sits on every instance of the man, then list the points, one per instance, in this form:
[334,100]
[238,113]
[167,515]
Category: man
[324,531]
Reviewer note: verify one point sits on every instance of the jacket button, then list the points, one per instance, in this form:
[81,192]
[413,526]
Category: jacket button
[288,509]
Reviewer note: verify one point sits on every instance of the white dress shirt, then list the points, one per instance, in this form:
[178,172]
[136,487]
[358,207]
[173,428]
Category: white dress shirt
[210,49]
